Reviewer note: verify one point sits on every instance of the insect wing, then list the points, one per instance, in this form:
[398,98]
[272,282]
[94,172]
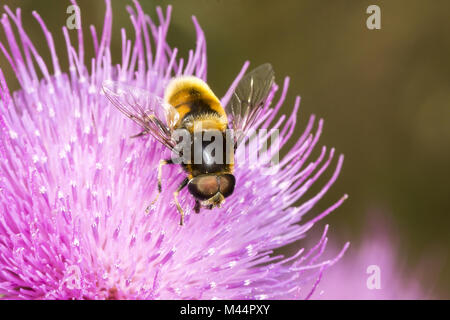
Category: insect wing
[248,100]
[148,110]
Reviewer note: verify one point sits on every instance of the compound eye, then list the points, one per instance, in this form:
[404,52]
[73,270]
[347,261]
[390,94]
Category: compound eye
[204,187]
[226,184]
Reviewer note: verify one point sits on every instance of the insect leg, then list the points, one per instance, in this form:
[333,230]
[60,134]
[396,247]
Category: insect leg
[175,196]
[140,134]
[161,163]
[197,206]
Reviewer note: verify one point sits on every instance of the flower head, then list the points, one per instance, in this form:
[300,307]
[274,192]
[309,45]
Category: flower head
[74,186]
[373,270]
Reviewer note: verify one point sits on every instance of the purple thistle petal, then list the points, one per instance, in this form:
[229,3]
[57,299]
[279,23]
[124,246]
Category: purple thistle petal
[74,187]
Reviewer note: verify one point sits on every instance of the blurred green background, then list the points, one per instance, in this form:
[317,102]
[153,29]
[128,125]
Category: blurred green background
[384,94]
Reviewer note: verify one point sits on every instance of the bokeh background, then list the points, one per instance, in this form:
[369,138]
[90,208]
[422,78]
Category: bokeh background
[384,95]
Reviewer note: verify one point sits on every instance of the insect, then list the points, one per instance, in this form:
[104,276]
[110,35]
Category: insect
[190,107]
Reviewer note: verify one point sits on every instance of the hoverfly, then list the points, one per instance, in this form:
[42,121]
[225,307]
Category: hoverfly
[190,105]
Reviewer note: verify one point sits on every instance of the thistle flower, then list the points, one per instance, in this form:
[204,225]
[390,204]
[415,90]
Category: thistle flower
[373,271]
[74,186]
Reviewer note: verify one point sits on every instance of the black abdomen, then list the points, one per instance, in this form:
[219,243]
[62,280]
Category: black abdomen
[210,153]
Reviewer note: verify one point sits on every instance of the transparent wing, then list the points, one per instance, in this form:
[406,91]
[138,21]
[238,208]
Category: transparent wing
[248,99]
[152,113]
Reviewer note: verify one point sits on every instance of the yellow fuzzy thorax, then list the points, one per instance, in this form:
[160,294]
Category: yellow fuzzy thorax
[179,90]
[183,90]
[210,122]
